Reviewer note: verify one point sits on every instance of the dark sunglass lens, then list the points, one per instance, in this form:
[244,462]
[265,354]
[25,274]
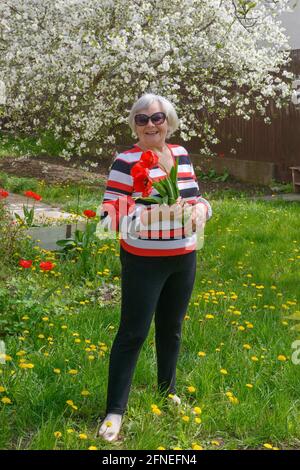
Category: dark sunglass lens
[158,118]
[141,119]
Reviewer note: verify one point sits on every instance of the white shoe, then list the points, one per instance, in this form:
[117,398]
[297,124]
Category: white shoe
[175,399]
[110,427]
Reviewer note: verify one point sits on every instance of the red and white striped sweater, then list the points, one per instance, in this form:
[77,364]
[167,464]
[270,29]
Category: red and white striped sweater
[138,241]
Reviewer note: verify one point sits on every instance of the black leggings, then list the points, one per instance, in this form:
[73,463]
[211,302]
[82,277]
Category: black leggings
[161,284]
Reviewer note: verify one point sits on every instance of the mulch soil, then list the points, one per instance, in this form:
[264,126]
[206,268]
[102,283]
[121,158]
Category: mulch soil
[56,170]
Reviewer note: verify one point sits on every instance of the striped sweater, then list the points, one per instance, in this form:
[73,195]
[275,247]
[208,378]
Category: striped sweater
[152,240]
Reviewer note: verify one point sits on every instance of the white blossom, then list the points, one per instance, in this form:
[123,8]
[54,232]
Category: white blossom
[75,67]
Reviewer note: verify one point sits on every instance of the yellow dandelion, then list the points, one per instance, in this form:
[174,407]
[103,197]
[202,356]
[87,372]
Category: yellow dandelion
[224,371]
[2,389]
[73,371]
[82,436]
[85,393]
[161,448]
[268,446]
[197,410]
[92,448]
[254,358]
[215,443]
[233,400]
[249,385]
[6,401]
[26,366]
[185,418]
[57,434]
[21,353]
[56,371]
[191,389]
[281,357]
[197,447]
[201,354]
[198,420]
[246,346]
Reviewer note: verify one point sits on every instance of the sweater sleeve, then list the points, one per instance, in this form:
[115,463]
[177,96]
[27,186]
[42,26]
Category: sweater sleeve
[119,188]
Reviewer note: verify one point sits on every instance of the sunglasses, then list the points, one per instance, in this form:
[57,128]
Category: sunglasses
[156,118]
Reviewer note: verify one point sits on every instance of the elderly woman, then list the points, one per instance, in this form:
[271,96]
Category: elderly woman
[158,271]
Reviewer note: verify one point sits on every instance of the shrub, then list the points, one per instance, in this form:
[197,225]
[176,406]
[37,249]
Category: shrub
[10,236]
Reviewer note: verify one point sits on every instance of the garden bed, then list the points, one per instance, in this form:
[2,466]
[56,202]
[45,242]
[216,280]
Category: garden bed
[55,170]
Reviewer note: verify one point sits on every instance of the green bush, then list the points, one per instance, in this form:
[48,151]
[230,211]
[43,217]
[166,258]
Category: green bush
[10,236]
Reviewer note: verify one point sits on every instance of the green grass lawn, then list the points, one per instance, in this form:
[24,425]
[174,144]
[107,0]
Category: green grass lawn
[244,380]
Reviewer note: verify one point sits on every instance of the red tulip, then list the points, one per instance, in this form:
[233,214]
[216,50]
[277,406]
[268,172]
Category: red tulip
[149,159]
[46,265]
[25,263]
[141,179]
[138,170]
[3,193]
[89,213]
[33,195]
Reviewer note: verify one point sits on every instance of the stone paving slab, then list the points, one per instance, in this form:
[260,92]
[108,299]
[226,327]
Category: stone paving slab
[43,212]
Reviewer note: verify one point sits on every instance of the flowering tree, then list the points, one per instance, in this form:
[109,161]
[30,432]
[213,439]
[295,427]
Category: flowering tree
[75,67]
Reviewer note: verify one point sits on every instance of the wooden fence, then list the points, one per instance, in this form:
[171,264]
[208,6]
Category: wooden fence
[278,142]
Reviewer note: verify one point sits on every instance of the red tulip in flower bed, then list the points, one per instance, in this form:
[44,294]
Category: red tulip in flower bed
[44,265]
[33,195]
[89,213]
[3,194]
[24,263]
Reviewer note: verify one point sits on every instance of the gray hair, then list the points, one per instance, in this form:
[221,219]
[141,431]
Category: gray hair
[145,101]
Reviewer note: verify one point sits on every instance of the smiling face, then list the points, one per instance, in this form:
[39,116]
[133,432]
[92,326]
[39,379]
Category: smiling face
[152,135]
